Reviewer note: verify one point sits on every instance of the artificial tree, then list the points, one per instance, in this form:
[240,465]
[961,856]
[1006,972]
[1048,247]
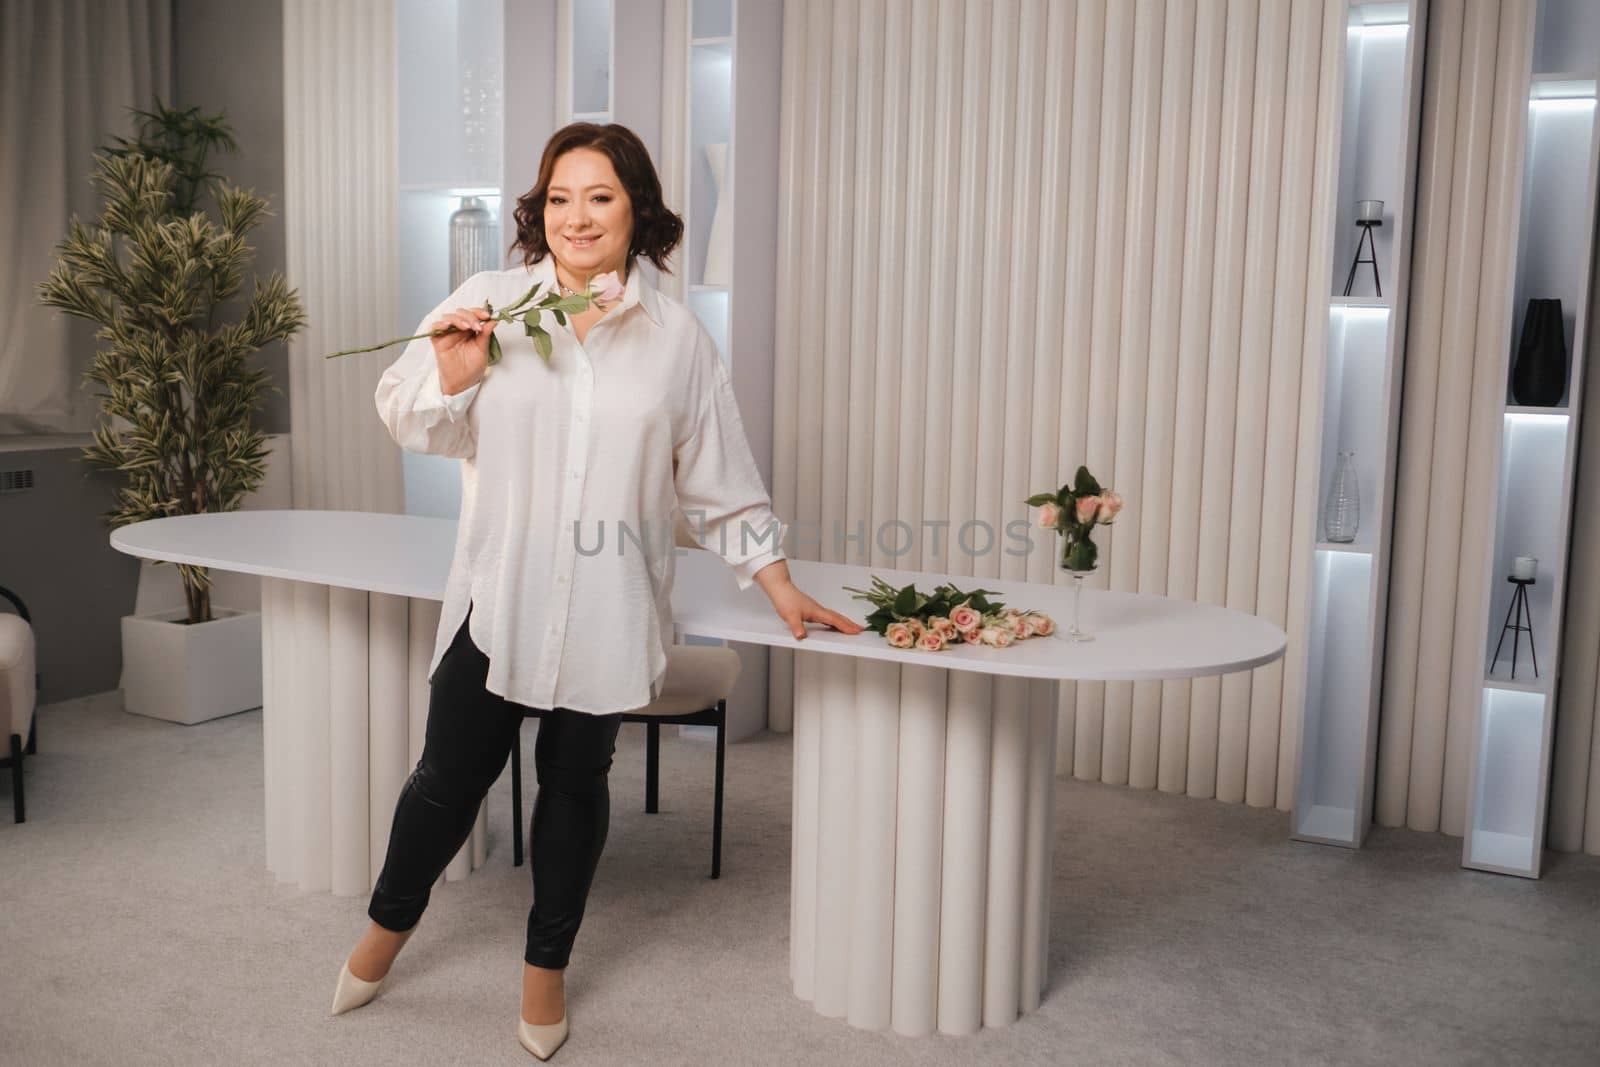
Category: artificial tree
[156,272]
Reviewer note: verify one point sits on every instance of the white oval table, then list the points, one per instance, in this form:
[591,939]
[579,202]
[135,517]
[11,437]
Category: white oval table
[921,838]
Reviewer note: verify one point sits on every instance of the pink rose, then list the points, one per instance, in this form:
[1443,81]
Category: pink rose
[944,627]
[606,288]
[1050,516]
[1021,628]
[1110,504]
[1086,507]
[899,635]
[973,636]
[916,628]
[1043,625]
[997,637]
[966,619]
[931,641]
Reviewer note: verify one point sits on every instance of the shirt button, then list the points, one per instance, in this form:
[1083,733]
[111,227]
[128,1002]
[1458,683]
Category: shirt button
[561,579]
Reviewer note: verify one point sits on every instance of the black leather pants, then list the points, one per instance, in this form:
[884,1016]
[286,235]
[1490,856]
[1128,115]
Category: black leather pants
[469,738]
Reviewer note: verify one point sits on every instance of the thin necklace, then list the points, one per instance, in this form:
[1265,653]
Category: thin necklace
[564,290]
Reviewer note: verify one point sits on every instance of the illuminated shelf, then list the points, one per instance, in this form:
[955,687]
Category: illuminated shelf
[1336,546]
[1533,471]
[1361,375]
[1518,685]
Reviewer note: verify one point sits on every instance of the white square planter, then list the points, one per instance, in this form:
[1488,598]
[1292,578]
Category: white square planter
[188,674]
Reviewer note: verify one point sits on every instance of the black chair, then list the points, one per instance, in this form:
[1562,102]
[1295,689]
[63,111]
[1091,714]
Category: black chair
[699,679]
[18,744]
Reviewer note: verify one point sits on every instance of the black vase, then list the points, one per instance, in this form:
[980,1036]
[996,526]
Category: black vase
[1539,378]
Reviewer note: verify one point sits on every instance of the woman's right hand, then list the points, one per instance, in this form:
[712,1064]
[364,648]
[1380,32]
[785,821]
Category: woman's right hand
[463,353]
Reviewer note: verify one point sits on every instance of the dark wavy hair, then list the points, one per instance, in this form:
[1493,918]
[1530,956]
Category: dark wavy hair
[656,230]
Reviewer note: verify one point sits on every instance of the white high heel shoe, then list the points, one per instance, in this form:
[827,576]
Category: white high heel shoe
[353,992]
[542,1040]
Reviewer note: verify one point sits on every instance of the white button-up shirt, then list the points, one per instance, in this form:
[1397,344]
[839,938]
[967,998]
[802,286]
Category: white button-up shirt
[572,476]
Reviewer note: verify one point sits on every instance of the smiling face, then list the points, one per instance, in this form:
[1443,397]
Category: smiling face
[588,217]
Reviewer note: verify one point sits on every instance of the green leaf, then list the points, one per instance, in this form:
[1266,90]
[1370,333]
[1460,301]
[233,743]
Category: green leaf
[541,341]
[561,316]
[494,349]
[1041,499]
[1084,483]
[523,302]
[905,602]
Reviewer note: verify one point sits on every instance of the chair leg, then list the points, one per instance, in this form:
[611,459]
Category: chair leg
[716,800]
[18,808]
[516,799]
[652,767]
[33,735]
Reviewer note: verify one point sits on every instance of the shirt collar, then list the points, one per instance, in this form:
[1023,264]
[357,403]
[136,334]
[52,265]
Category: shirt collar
[636,290]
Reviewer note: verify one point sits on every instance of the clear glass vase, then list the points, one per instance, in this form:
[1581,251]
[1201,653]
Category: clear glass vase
[1341,514]
[1076,632]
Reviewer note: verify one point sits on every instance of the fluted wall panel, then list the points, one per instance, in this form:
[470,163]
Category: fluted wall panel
[1020,236]
[1292,474]
[1575,775]
[341,216]
[1474,113]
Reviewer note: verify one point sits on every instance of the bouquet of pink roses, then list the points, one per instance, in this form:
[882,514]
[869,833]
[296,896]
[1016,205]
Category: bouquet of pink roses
[933,622]
[1074,510]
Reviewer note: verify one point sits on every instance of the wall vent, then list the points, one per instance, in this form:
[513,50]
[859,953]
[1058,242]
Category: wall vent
[16,481]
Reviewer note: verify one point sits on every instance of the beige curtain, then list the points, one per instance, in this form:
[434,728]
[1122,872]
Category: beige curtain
[1023,235]
[70,70]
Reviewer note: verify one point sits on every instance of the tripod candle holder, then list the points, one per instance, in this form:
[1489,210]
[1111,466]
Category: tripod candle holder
[1518,611]
[1365,240]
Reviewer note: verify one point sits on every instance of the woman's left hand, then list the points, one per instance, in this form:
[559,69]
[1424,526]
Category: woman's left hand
[796,608]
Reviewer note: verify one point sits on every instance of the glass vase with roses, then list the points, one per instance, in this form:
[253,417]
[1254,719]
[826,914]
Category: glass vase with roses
[1074,511]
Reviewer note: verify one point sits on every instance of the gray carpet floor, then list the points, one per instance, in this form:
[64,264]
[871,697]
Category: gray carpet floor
[138,924]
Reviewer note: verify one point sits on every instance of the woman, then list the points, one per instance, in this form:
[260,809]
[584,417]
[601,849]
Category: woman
[629,422]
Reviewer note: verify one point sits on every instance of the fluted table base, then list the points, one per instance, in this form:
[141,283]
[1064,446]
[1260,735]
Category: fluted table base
[345,707]
[921,844]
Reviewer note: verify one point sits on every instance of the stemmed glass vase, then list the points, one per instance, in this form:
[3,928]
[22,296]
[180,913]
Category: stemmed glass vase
[1076,632]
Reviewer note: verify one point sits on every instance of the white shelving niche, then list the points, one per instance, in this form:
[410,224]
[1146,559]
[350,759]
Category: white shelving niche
[585,61]
[1509,769]
[723,65]
[1379,95]
[451,131]
[712,44]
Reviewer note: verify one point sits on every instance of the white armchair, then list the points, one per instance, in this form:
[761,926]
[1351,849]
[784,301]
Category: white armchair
[19,693]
